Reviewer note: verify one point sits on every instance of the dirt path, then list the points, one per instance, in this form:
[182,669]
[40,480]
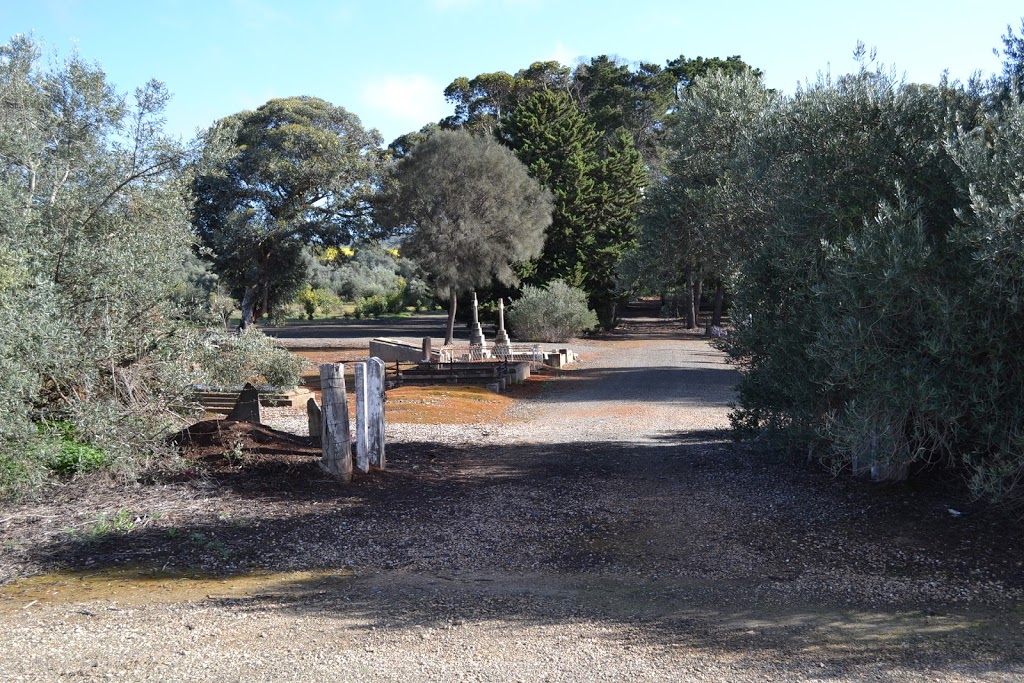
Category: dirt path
[609,533]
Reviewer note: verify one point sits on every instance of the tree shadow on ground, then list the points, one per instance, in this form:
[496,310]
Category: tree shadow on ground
[709,386]
[684,544]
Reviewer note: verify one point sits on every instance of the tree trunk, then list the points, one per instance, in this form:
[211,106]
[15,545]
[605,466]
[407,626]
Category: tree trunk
[716,316]
[691,315]
[265,305]
[695,292]
[248,304]
[449,335]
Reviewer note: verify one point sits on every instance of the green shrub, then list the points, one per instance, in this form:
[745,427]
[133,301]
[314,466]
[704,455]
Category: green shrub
[319,301]
[880,318]
[233,360]
[71,455]
[396,301]
[371,307]
[553,314]
[97,284]
[21,471]
[309,302]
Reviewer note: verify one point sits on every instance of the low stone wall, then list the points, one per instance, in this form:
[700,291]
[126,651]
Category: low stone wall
[395,351]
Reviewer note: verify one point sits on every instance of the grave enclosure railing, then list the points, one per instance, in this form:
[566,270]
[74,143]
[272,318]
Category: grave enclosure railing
[461,353]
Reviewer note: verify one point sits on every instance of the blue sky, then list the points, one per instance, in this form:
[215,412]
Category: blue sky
[389,61]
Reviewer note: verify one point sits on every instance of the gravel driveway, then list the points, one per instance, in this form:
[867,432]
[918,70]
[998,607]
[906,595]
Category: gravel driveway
[608,532]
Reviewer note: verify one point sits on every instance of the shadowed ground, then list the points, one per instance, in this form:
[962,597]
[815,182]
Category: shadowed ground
[610,531]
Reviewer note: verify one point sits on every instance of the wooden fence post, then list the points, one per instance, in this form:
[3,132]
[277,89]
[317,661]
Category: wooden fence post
[375,411]
[362,434]
[334,434]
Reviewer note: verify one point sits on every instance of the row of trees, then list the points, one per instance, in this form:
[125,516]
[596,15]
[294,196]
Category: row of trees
[300,172]
[113,237]
[595,136]
[872,232]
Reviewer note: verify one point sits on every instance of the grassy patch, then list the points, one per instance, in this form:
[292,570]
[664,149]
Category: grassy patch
[68,453]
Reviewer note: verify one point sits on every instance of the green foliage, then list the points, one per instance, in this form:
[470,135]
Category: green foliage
[879,287]
[296,171]
[614,94]
[592,136]
[596,185]
[555,313]
[483,102]
[370,271]
[473,210]
[1009,87]
[21,471]
[93,248]
[618,96]
[121,521]
[70,455]
[310,302]
[251,357]
[372,307]
[376,306]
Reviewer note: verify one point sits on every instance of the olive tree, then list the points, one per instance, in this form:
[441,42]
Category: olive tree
[93,236]
[471,210]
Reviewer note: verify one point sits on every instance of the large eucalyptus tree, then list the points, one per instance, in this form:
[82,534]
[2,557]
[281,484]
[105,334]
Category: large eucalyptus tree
[296,171]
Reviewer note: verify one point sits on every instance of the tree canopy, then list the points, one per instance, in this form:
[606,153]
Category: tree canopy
[596,184]
[471,211]
[294,172]
[697,222]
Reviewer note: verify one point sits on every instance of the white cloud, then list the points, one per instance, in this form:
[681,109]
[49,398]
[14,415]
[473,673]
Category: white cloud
[563,55]
[400,104]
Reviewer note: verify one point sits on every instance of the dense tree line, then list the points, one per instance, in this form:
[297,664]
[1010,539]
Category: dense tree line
[596,137]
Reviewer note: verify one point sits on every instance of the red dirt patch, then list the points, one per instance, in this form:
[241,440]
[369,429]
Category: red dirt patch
[219,445]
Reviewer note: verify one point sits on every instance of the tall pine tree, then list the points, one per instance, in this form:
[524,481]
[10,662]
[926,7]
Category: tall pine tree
[596,187]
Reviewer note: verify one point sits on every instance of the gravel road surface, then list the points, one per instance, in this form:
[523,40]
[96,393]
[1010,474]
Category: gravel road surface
[607,532]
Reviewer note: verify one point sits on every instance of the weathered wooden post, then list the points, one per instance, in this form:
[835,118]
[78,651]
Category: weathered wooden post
[375,411]
[334,434]
[362,433]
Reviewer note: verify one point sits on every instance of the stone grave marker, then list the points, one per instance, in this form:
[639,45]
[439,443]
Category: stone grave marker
[501,337]
[247,407]
[315,416]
